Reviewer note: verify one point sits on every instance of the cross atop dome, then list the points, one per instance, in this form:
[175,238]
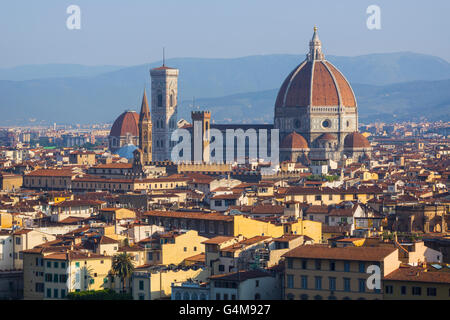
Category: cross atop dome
[315,48]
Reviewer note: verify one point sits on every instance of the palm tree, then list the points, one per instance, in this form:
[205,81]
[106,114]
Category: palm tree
[123,267]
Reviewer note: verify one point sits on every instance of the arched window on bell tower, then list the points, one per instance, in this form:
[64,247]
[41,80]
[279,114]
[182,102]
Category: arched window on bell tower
[160,99]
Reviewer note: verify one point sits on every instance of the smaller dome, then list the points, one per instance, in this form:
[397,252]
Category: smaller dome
[327,137]
[356,140]
[127,151]
[294,141]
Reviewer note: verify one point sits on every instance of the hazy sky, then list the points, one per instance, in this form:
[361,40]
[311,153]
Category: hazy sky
[130,32]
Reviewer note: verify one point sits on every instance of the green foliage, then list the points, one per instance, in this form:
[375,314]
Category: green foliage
[122,266]
[106,294]
[318,177]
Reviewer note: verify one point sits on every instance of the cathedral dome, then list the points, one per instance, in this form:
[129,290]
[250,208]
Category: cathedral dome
[356,140]
[316,83]
[126,124]
[294,141]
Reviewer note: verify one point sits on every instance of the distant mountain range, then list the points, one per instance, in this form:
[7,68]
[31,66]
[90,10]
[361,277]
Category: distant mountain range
[415,100]
[387,86]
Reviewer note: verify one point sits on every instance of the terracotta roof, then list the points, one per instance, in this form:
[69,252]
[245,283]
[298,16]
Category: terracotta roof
[418,274]
[327,137]
[356,140]
[218,240]
[197,258]
[329,87]
[294,140]
[126,123]
[242,244]
[189,215]
[51,173]
[347,253]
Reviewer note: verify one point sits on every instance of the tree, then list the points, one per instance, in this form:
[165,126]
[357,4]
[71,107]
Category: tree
[123,267]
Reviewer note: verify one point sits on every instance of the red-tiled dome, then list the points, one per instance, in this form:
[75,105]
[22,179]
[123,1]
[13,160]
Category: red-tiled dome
[294,141]
[327,137]
[126,123]
[356,140]
[315,82]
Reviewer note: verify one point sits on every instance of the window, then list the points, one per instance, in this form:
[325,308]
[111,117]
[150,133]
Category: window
[289,263]
[304,282]
[49,264]
[77,264]
[346,284]
[332,283]
[318,283]
[416,291]
[318,264]
[62,278]
[304,264]
[233,297]
[389,289]
[225,296]
[48,277]
[362,267]
[55,264]
[49,293]
[55,278]
[17,240]
[362,285]
[290,281]
[39,287]
[403,290]
[159,99]
[332,266]
[347,266]
[141,285]
[185,249]
[257,283]
[217,296]
[63,265]
[55,293]
[431,292]
[221,267]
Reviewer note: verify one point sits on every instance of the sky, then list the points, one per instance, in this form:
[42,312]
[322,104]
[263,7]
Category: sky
[131,32]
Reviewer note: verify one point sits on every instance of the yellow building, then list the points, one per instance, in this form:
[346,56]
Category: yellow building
[10,182]
[6,220]
[423,282]
[115,214]
[215,224]
[157,285]
[317,272]
[172,247]
[82,158]
[53,272]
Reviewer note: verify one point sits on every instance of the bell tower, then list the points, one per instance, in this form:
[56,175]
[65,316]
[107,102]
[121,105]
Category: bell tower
[145,132]
[164,82]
